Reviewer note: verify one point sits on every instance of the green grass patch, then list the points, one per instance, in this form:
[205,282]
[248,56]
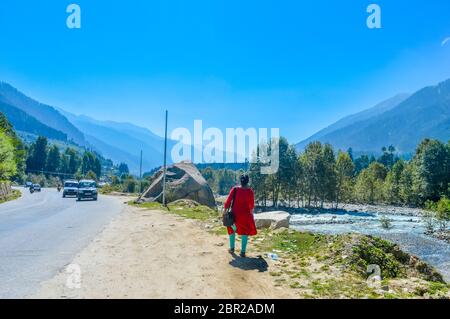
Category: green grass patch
[147,205]
[292,242]
[345,287]
[325,268]
[184,209]
[108,189]
[275,273]
[325,288]
[280,280]
[296,285]
[304,273]
[303,263]
[437,288]
[219,230]
[194,212]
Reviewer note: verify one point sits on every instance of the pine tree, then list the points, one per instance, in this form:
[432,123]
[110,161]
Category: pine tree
[432,165]
[344,171]
[392,185]
[74,161]
[37,158]
[53,160]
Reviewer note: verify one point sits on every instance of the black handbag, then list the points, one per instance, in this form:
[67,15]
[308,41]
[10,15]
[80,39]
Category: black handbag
[228,217]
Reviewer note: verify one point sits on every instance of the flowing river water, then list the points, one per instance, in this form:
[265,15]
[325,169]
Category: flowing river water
[406,231]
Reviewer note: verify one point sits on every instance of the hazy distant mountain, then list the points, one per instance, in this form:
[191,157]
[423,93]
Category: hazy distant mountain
[401,121]
[358,117]
[120,156]
[122,142]
[45,114]
[21,121]
[137,132]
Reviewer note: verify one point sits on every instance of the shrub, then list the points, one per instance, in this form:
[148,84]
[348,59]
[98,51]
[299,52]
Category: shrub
[439,213]
[430,223]
[129,185]
[443,212]
[376,251]
[8,165]
[386,222]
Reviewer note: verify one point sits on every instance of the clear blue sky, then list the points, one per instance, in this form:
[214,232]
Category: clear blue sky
[296,65]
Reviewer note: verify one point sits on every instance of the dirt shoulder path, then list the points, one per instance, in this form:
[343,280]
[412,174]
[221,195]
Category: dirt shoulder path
[154,254]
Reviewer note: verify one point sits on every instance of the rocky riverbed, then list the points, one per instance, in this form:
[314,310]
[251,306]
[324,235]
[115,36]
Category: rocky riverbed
[354,209]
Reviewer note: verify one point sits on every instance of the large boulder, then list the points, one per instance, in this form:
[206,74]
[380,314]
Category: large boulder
[183,181]
[272,220]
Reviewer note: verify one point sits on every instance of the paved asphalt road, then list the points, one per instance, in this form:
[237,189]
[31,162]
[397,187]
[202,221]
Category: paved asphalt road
[41,233]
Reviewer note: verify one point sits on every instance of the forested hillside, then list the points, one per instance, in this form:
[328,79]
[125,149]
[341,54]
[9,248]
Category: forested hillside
[21,121]
[425,114]
[46,114]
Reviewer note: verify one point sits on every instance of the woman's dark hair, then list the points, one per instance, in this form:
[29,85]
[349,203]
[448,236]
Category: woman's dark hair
[244,180]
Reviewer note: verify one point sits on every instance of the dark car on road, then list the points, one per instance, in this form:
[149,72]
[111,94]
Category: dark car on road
[70,188]
[87,189]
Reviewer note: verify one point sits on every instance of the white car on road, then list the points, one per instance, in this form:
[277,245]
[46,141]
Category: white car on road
[70,188]
[87,189]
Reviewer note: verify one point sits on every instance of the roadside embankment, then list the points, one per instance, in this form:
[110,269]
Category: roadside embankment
[7,193]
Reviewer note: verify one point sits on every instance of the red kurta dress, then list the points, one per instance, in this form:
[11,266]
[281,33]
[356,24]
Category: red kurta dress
[242,209]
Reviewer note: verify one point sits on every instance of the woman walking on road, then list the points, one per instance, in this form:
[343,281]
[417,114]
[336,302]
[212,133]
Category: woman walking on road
[243,206]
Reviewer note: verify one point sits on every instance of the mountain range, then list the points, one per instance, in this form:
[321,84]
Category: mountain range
[43,113]
[23,122]
[120,142]
[402,121]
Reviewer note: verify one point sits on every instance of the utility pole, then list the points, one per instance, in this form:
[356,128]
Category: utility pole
[165,162]
[140,175]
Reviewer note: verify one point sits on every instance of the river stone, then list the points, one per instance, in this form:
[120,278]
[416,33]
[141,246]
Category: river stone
[183,181]
[273,220]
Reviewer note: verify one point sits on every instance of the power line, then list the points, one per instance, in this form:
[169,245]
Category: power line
[48,172]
